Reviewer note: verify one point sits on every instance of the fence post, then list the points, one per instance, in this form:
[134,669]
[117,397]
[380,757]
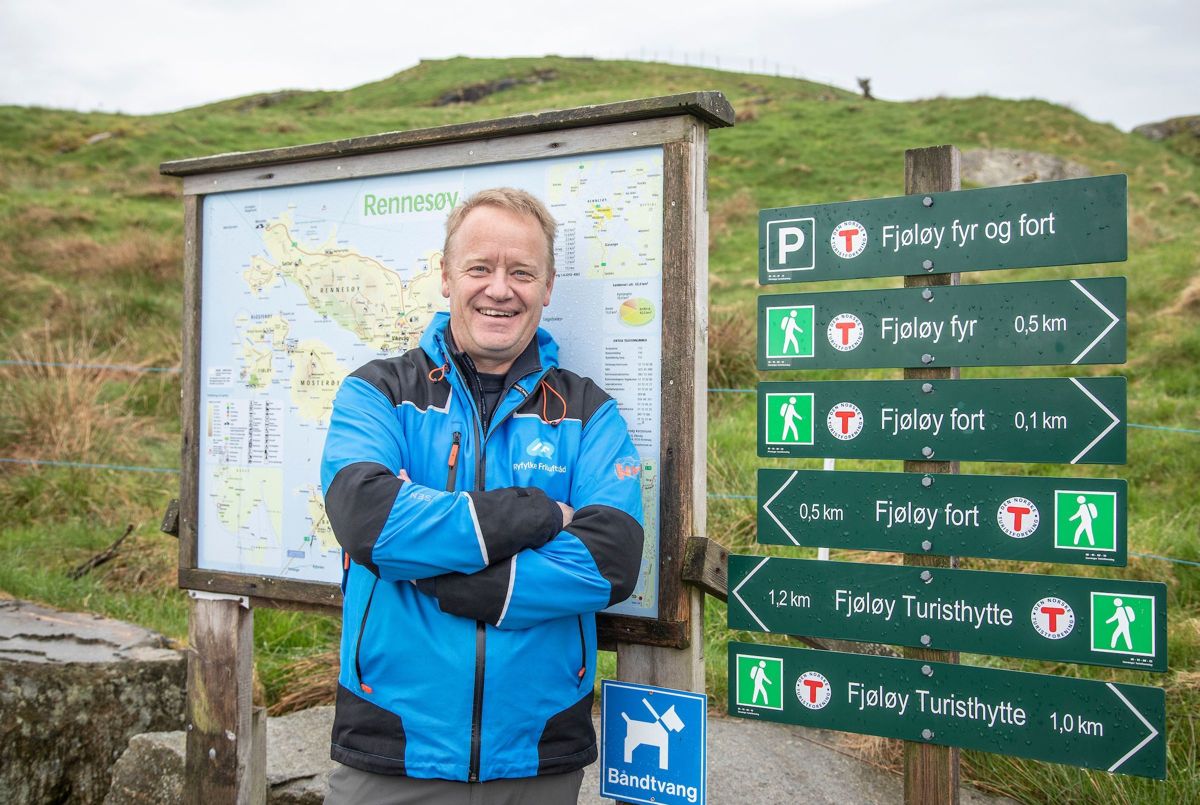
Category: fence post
[931,772]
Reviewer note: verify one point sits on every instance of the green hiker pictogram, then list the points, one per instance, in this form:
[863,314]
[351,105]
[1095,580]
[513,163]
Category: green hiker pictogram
[790,332]
[760,682]
[1085,521]
[789,418]
[1123,624]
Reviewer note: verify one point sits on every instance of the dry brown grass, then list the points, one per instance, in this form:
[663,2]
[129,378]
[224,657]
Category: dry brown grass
[148,561]
[1144,230]
[146,254]
[737,209]
[883,753]
[746,114]
[1190,198]
[308,682]
[38,217]
[1188,301]
[731,348]
[62,413]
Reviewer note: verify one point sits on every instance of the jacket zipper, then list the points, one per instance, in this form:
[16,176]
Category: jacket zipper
[480,626]
[480,643]
[452,462]
[582,650]
[362,628]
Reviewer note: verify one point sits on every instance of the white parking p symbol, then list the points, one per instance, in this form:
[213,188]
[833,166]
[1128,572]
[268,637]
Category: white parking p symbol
[791,239]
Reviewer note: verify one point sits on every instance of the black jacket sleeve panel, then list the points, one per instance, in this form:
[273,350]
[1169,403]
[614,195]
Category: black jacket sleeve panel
[477,596]
[614,539]
[358,503]
[515,518]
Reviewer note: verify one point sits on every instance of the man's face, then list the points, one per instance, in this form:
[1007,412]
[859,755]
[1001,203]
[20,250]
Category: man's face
[497,278]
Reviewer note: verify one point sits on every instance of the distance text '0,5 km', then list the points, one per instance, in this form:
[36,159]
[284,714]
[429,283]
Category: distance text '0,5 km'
[1021,323]
[1043,224]
[1029,519]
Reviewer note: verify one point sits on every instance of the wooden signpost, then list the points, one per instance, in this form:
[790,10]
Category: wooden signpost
[297,270]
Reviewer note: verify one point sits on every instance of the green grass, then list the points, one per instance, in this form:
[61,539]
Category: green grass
[90,255]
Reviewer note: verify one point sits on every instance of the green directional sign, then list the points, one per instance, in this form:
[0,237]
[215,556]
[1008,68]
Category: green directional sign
[1079,722]
[1042,224]
[1030,519]
[1060,618]
[1056,420]
[1006,324]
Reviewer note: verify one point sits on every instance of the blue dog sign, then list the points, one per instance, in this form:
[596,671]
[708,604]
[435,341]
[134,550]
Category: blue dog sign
[653,744]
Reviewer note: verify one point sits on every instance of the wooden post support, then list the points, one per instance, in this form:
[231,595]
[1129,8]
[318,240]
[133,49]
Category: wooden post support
[931,772]
[684,455]
[220,741]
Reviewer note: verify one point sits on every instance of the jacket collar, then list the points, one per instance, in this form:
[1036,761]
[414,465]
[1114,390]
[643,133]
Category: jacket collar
[540,354]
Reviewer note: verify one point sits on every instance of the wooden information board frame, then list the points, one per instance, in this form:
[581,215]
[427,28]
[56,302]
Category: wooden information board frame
[679,124]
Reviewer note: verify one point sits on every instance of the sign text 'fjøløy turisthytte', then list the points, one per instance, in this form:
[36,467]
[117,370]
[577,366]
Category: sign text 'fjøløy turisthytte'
[1080,722]
[1122,624]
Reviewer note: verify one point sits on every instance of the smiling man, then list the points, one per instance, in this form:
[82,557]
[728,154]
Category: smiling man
[476,490]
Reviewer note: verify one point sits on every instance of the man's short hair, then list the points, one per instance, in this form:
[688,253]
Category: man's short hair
[509,198]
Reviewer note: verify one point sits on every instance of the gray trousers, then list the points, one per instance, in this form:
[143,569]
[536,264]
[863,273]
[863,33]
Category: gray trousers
[349,786]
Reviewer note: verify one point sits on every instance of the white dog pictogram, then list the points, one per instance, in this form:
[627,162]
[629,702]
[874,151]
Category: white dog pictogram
[651,733]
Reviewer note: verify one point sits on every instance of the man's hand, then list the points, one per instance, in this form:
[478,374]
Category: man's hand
[403,476]
[567,512]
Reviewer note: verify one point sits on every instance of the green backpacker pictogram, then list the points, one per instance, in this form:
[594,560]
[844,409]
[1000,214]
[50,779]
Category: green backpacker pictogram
[789,331]
[1123,624]
[1085,521]
[760,682]
[789,418]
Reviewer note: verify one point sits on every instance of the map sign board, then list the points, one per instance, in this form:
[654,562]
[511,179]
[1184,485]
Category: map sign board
[1027,519]
[653,744]
[1055,420]
[1067,222]
[1122,624]
[303,284]
[1005,324]
[1079,722]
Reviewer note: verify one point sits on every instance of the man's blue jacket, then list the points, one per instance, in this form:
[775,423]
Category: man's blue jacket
[485,668]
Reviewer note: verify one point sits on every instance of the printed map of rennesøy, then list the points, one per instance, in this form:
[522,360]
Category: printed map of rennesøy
[303,284]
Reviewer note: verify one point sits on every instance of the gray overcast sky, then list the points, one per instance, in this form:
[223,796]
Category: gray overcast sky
[1121,62]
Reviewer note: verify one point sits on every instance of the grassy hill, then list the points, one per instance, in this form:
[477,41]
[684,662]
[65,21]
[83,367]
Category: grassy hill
[90,266]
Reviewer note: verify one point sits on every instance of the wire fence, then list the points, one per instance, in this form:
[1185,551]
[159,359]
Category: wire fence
[36,462]
[175,370]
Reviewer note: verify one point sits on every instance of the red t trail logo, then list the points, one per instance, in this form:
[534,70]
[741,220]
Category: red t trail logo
[845,421]
[845,332]
[848,240]
[1018,517]
[813,690]
[1053,618]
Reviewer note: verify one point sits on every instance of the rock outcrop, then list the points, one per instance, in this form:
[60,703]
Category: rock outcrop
[74,687]
[991,167]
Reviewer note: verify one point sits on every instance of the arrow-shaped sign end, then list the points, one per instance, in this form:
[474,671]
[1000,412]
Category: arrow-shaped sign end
[767,509]
[1115,420]
[1113,321]
[1153,732]
[736,594]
